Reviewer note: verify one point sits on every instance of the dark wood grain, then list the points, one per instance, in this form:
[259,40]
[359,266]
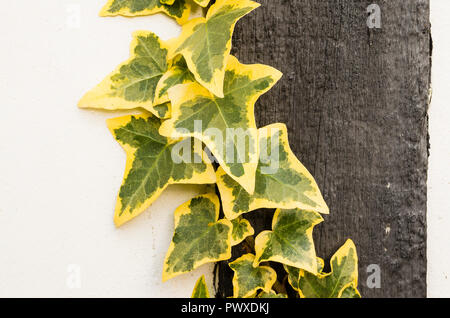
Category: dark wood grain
[355,102]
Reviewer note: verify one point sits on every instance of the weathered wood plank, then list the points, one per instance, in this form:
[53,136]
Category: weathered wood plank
[355,102]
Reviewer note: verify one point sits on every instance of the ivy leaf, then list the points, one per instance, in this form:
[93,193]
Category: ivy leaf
[241,229]
[217,121]
[281,180]
[177,9]
[205,42]
[344,273]
[199,238]
[247,279]
[290,242]
[200,289]
[294,273]
[271,294]
[134,82]
[349,291]
[150,167]
[293,276]
[177,74]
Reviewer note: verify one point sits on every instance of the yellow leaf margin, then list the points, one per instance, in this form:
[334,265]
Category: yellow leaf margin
[202,3]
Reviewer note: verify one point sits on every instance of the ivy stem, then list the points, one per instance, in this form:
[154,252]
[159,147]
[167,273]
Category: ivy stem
[249,244]
[279,288]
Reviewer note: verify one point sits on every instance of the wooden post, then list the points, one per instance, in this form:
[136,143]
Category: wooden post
[355,102]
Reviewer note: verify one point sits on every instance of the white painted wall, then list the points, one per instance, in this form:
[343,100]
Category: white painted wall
[60,167]
[439,173]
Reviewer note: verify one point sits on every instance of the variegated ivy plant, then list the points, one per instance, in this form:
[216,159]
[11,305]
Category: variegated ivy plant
[193,79]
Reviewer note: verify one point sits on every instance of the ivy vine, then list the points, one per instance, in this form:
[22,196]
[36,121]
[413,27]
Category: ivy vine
[198,109]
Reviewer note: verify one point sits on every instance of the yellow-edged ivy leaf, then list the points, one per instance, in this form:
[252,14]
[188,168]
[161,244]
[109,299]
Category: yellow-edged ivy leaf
[150,167]
[177,74]
[199,238]
[290,242]
[271,294]
[134,82]
[178,9]
[349,291]
[344,273]
[248,280]
[281,180]
[200,289]
[241,229]
[293,276]
[294,273]
[217,121]
[205,42]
